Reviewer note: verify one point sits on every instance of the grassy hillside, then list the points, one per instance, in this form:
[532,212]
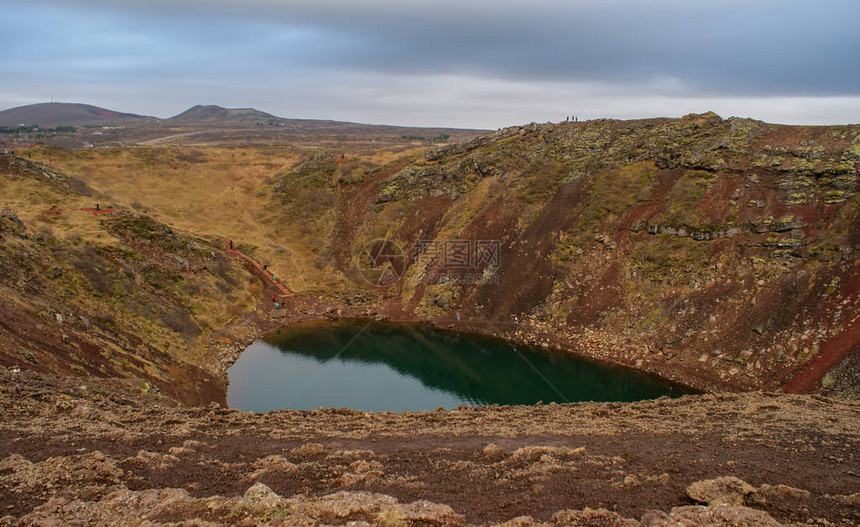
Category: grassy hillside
[89,291]
[236,193]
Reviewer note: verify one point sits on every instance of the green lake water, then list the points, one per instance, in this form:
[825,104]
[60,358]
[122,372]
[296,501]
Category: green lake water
[376,366]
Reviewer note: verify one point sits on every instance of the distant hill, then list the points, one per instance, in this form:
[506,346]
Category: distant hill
[52,114]
[49,115]
[220,125]
[209,113]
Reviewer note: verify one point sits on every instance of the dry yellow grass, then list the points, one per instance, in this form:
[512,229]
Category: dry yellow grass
[64,237]
[30,200]
[216,191]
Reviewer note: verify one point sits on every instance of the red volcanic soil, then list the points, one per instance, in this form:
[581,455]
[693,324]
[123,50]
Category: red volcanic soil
[256,268]
[833,350]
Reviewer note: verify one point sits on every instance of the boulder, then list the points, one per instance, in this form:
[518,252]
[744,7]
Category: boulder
[727,490]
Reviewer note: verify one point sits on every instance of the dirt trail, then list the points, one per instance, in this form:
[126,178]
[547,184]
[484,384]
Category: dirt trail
[270,281]
[258,270]
[168,137]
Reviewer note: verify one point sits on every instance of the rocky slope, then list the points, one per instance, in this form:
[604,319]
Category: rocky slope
[95,451]
[105,292]
[722,253]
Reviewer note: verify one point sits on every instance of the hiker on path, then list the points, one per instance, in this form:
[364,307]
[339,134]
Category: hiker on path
[231,245]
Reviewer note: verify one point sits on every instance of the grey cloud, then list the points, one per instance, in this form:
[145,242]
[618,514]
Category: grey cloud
[416,61]
[752,47]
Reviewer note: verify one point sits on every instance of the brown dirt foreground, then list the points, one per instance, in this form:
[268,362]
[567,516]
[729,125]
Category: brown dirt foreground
[103,453]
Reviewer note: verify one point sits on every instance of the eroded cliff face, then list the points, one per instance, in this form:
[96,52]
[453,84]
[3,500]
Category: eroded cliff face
[719,252]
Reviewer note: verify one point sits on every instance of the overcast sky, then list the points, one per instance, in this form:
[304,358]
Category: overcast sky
[465,63]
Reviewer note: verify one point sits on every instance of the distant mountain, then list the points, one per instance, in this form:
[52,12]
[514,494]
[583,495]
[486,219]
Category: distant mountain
[210,119]
[210,113]
[49,115]
[52,114]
